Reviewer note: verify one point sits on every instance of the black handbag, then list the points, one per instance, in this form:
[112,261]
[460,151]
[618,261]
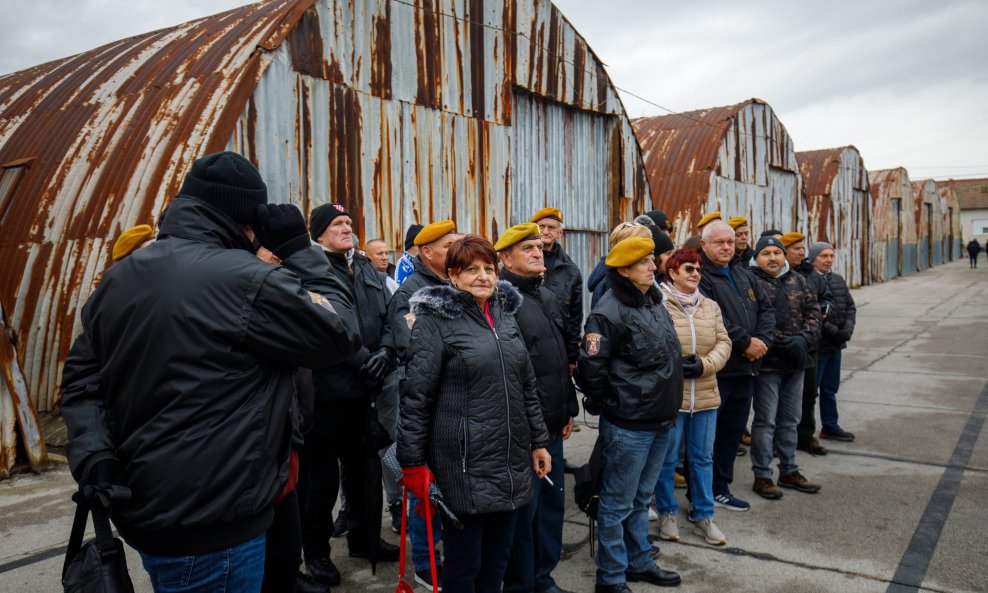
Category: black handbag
[99,565]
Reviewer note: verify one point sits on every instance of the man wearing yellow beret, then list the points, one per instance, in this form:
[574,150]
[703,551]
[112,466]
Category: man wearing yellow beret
[131,240]
[707,219]
[742,234]
[795,248]
[562,276]
[631,373]
[539,527]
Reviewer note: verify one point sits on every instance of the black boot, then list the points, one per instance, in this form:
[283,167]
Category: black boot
[306,584]
[323,570]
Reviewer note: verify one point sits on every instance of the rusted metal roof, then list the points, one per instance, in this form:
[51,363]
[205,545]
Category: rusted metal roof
[951,220]
[404,111]
[835,186]
[737,159]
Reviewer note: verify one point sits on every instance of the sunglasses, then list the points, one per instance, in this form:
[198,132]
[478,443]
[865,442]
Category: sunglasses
[690,269]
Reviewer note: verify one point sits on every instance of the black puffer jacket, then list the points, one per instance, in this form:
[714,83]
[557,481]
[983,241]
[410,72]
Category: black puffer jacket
[563,278]
[597,282]
[839,325]
[747,312]
[631,362]
[399,311]
[818,285]
[797,321]
[370,298]
[469,408]
[185,370]
[541,324]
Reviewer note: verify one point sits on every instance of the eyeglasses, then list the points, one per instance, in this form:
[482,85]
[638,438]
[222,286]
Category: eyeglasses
[690,269]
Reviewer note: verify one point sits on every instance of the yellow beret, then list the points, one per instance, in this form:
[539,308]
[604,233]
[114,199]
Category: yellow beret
[708,218]
[792,238]
[435,231]
[737,221]
[517,234]
[629,252]
[548,213]
[130,240]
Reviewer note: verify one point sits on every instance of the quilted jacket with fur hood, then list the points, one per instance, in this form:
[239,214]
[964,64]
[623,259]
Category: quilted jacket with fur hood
[469,407]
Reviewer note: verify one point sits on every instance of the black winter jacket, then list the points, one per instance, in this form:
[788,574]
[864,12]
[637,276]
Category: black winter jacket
[470,410]
[563,278]
[399,311]
[797,321]
[370,297]
[631,362]
[541,324]
[838,327]
[185,371]
[818,285]
[596,283]
[747,312]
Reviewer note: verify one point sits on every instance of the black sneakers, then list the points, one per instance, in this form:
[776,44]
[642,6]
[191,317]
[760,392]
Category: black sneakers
[837,435]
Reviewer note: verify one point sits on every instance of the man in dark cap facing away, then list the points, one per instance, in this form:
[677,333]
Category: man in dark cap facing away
[176,394]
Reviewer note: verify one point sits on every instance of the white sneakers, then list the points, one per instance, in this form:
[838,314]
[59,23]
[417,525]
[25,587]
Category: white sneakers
[708,531]
[668,529]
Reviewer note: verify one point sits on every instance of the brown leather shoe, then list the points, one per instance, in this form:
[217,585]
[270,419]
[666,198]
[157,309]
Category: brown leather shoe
[813,447]
[765,488]
[797,481]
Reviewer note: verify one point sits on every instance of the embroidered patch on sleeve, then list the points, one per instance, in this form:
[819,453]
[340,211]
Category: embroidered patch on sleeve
[751,294]
[593,343]
[322,301]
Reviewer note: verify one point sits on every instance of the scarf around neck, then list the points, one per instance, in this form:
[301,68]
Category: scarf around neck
[688,301]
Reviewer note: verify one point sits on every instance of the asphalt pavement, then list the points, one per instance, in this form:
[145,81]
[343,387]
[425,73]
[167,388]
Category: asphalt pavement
[903,508]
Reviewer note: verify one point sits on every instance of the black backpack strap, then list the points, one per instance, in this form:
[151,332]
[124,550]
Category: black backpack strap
[78,529]
[104,532]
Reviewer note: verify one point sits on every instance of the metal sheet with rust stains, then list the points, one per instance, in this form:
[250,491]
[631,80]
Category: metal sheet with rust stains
[403,113]
[111,131]
[951,220]
[838,204]
[17,413]
[738,160]
[928,211]
[892,222]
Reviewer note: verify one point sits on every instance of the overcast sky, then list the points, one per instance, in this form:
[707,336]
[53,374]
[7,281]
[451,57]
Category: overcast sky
[905,81]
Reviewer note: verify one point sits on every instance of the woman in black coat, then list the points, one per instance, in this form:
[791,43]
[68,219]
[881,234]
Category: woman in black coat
[470,414]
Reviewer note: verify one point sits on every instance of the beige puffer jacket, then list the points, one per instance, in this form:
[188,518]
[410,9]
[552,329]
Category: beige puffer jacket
[703,334]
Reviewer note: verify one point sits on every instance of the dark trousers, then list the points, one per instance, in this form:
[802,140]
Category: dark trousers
[806,431]
[974,259]
[477,555]
[732,418]
[538,541]
[283,547]
[335,450]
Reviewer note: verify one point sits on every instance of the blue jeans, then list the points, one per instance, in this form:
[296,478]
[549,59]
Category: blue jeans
[732,417]
[418,535]
[828,380]
[240,569]
[538,540]
[632,462]
[697,432]
[778,407]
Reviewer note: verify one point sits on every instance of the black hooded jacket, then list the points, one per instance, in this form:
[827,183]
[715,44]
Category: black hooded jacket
[370,296]
[399,311]
[838,327]
[747,312]
[541,324]
[185,371]
[631,362]
[470,409]
[563,278]
[821,289]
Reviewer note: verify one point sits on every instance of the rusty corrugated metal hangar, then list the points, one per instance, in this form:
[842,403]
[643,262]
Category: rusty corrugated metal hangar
[893,222]
[951,220]
[838,207]
[929,224]
[738,160]
[479,110]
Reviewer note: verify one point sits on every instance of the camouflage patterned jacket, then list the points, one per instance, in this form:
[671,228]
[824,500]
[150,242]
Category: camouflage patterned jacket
[797,321]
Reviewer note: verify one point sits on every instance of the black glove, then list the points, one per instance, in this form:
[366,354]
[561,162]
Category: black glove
[692,367]
[831,331]
[798,346]
[844,335]
[377,364]
[281,228]
[105,484]
[590,406]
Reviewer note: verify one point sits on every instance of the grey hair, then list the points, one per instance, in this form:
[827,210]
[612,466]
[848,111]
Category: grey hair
[716,225]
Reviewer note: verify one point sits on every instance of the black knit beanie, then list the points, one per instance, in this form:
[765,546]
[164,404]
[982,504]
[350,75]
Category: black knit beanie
[767,242]
[410,235]
[229,183]
[321,217]
[661,219]
[663,243]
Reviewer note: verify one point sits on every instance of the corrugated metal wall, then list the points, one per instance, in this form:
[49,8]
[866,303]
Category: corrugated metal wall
[738,160]
[891,188]
[929,223]
[835,184]
[951,220]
